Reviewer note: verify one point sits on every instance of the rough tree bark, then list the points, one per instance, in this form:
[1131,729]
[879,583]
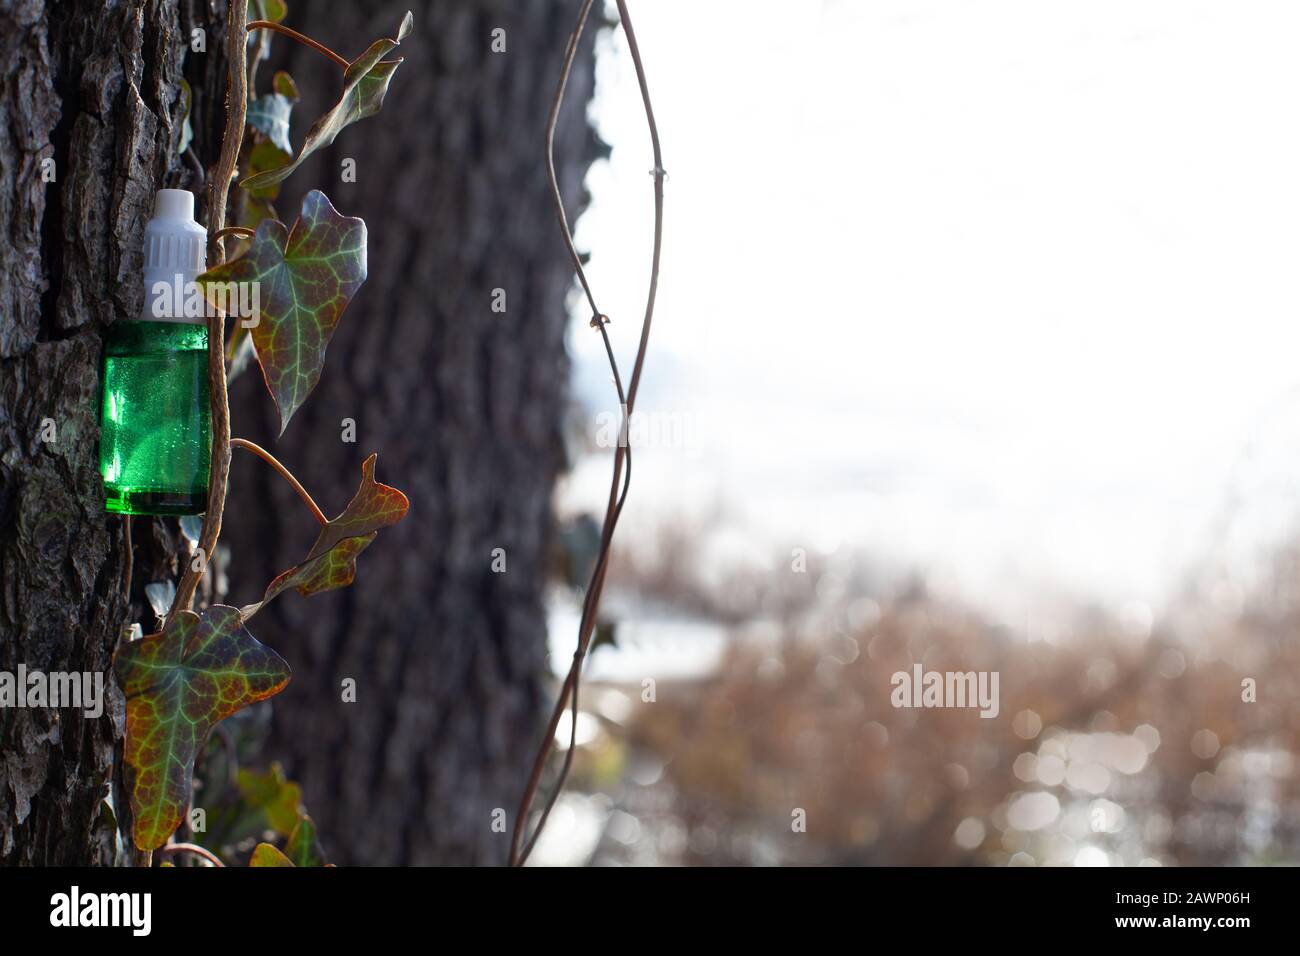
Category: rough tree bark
[464,407]
[93,87]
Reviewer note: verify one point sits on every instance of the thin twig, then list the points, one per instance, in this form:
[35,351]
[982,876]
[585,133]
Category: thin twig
[285,473]
[192,848]
[594,587]
[243,232]
[301,38]
[622,454]
[218,193]
[261,50]
[195,166]
[544,750]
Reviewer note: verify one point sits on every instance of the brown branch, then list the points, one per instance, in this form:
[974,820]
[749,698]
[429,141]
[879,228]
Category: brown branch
[218,194]
[192,848]
[623,453]
[285,473]
[301,38]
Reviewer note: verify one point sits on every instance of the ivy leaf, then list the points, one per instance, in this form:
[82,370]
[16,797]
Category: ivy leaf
[264,854]
[303,849]
[269,114]
[283,84]
[274,10]
[272,796]
[332,561]
[306,278]
[336,568]
[254,205]
[365,83]
[179,684]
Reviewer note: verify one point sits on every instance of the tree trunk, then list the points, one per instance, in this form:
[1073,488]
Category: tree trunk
[462,404]
[92,87]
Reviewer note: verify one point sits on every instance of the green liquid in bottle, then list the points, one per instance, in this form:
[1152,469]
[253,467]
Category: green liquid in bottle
[155,422]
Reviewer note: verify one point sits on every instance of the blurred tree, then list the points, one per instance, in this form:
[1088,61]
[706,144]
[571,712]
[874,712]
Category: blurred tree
[463,404]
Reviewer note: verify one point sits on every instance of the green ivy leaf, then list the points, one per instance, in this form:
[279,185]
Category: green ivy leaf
[254,205]
[274,10]
[365,83]
[283,84]
[272,796]
[303,849]
[264,854]
[307,277]
[332,561]
[179,684]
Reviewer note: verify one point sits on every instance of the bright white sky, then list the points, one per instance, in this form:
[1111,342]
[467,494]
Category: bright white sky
[1005,290]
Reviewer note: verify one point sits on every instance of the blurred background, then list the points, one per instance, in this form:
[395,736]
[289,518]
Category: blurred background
[988,311]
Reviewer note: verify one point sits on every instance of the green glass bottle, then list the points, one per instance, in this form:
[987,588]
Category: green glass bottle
[155,419]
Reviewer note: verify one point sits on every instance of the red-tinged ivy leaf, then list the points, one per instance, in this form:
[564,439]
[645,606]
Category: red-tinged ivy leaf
[306,278]
[336,568]
[373,507]
[332,561]
[365,83]
[264,854]
[303,848]
[179,684]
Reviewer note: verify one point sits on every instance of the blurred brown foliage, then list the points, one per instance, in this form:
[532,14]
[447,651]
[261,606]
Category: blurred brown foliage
[1113,744]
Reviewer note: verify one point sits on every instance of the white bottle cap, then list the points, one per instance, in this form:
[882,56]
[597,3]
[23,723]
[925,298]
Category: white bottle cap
[175,253]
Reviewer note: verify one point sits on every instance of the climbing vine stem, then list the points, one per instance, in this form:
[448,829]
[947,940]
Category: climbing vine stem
[284,473]
[301,38]
[192,848]
[218,194]
[622,472]
[243,232]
